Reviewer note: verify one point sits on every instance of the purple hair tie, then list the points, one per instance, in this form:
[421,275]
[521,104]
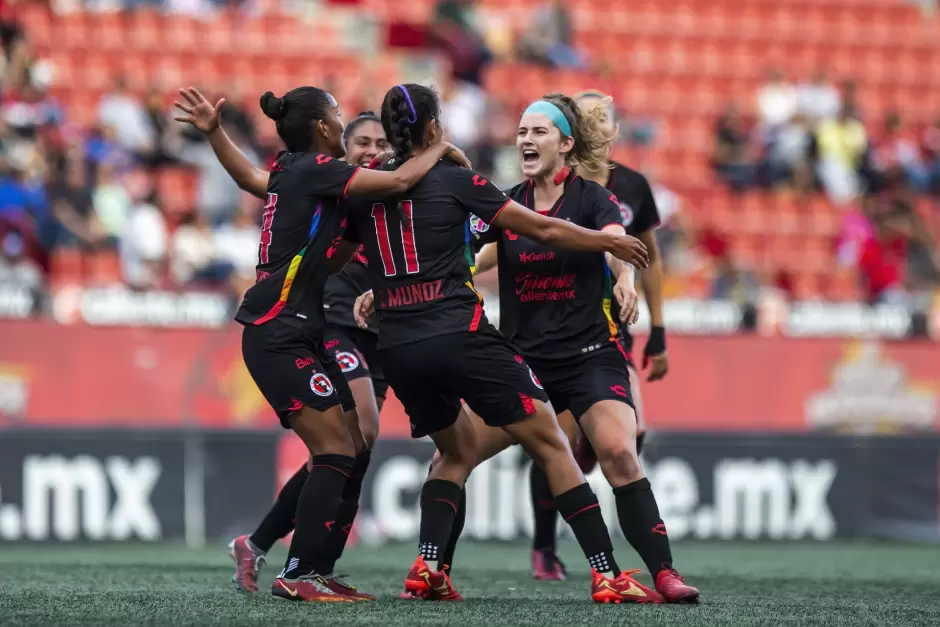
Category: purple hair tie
[414,114]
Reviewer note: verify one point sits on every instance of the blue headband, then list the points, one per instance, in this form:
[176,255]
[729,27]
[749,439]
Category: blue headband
[553,113]
[414,114]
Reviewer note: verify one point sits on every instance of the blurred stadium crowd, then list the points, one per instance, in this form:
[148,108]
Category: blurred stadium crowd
[793,148]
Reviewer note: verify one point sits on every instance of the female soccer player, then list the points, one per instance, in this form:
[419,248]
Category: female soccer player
[354,350]
[555,309]
[432,329]
[282,314]
[640,217]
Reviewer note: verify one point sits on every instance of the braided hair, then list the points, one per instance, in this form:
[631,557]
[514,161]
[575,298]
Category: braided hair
[406,111]
[295,114]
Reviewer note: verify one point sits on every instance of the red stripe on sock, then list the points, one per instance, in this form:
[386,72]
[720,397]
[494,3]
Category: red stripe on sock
[442,501]
[339,470]
[581,511]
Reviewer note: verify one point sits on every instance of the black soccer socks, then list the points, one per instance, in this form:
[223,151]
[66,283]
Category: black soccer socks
[439,503]
[279,521]
[456,529]
[580,509]
[347,510]
[545,515]
[642,526]
[316,515]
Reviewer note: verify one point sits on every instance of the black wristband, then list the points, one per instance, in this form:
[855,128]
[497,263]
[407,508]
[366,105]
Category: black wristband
[656,344]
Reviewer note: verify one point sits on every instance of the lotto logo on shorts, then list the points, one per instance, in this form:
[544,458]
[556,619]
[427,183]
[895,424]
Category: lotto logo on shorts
[320,384]
[347,361]
[535,379]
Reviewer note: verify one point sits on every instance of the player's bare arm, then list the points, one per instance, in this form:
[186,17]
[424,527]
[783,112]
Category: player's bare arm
[199,112]
[391,182]
[486,258]
[625,281]
[651,279]
[341,255]
[563,234]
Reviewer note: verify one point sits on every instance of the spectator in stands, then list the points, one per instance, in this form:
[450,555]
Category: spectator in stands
[454,28]
[73,208]
[788,156]
[111,200]
[236,244]
[882,260]
[15,267]
[671,235]
[857,228]
[160,130]
[14,61]
[931,148]
[190,248]
[101,146]
[818,99]
[548,40]
[143,246]
[897,150]
[463,114]
[776,102]
[732,160]
[122,112]
[841,144]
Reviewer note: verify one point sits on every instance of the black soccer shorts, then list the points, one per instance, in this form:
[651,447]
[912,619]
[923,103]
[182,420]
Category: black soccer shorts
[578,383]
[292,370]
[430,377]
[355,352]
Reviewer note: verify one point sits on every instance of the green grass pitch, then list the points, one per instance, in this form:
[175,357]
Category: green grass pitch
[742,585]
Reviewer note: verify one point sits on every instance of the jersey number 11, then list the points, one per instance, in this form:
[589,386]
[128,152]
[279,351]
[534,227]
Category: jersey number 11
[406,228]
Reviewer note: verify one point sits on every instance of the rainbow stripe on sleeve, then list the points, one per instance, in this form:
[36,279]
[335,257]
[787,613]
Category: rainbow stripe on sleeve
[292,272]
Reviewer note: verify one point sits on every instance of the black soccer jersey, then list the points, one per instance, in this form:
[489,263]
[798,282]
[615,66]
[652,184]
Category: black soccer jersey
[554,303]
[639,212]
[418,249]
[342,290]
[300,220]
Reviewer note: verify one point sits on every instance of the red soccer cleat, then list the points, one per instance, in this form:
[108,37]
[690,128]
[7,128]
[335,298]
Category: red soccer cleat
[585,456]
[337,585]
[623,589]
[248,563]
[424,583]
[672,586]
[311,588]
[547,567]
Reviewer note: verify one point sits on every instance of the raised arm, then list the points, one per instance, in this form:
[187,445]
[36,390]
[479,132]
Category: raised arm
[205,117]
[369,182]
[562,234]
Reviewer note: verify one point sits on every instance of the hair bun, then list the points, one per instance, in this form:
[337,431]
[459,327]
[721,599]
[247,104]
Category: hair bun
[273,106]
[363,114]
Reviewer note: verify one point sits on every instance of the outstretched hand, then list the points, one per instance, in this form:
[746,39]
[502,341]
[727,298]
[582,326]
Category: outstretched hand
[630,249]
[198,111]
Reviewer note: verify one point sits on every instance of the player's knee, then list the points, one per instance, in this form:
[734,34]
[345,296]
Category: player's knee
[370,432]
[619,460]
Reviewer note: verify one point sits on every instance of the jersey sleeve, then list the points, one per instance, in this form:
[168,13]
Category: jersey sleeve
[647,213]
[475,194]
[602,208]
[326,176]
